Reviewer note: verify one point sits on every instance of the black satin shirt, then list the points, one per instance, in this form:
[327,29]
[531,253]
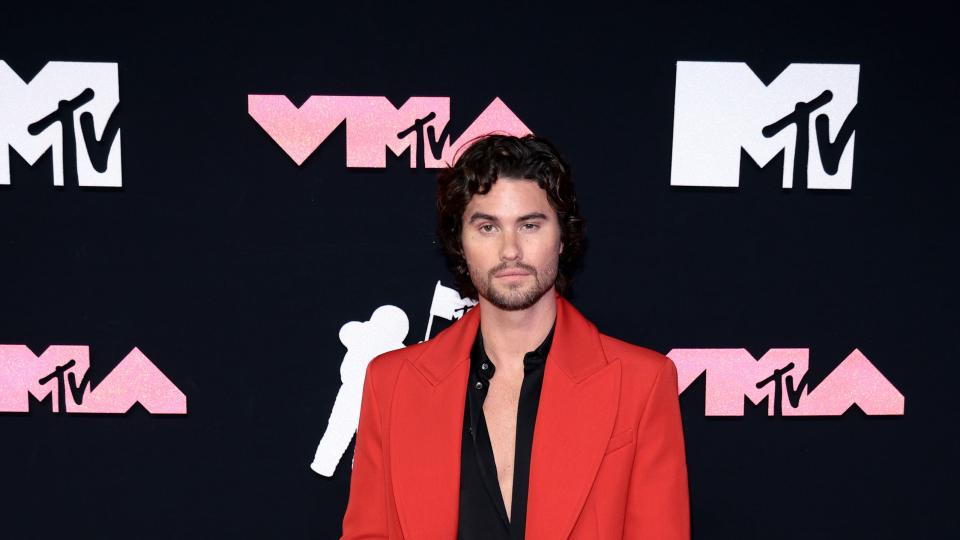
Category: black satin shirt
[483,515]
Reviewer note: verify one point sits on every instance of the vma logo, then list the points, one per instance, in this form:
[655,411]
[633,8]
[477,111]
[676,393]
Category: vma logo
[780,378]
[375,125]
[807,112]
[71,108]
[365,340]
[61,371]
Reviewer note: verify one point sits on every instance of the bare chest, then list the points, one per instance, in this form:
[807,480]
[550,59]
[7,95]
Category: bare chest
[500,413]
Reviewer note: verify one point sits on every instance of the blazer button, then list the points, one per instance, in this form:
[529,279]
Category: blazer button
[484,366]
[479,385]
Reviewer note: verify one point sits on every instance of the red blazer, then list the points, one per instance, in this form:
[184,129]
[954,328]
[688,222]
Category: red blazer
[607,460]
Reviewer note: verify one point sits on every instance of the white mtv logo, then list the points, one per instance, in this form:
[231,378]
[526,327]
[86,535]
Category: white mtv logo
[807,112]
[69,107]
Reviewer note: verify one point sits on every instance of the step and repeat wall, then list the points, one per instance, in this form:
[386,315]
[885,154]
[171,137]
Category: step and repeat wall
[213,219]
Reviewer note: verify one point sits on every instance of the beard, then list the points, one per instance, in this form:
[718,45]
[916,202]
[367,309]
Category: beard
[514,296]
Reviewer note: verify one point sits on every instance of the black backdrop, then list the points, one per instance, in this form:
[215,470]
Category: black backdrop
[232,268]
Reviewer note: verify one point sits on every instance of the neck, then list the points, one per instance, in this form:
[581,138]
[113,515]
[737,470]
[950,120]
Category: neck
[508,335]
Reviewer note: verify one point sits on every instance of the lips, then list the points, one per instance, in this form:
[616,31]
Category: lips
[511,273]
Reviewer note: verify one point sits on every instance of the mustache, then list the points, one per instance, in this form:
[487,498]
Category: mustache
[515,266]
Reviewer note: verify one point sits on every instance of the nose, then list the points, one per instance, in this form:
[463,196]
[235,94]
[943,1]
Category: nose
[510,247]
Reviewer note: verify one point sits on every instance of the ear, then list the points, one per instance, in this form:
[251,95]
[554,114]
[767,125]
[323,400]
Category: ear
[561,248]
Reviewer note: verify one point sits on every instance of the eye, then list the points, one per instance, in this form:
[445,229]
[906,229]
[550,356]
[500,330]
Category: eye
[487,228]
[530,226]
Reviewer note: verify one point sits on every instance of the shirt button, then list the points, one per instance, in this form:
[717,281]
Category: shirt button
[479,385]
[484,366]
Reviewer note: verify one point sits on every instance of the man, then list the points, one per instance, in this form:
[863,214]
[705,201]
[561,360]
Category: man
[520,420]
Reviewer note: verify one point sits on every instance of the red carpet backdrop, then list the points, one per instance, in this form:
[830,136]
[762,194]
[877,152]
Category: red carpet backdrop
[214,219]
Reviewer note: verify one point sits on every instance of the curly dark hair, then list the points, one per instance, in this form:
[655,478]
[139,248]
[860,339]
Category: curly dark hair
[502,156]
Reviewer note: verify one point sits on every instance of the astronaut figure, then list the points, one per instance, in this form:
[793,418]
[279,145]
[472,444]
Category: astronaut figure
[385,331]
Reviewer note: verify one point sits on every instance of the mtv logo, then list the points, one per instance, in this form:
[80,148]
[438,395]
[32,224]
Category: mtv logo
[61,372]
[374,125]
[780,378]
[46,112]
[807,113]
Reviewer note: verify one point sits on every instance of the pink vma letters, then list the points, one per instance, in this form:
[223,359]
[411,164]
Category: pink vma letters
[61,371]
[780,377]
[374,124]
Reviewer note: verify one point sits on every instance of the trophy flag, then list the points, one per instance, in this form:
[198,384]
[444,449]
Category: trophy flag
[448,304]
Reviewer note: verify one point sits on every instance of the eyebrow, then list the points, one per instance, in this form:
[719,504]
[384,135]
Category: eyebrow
[477,216]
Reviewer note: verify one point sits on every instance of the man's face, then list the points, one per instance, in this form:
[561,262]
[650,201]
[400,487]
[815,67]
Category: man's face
[511,242]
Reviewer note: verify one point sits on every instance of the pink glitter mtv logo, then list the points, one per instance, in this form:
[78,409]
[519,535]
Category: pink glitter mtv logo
[374,124]
[780,377]
[61,371]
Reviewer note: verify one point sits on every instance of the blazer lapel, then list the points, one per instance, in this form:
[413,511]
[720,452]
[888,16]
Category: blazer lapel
[426,432]
[578,406]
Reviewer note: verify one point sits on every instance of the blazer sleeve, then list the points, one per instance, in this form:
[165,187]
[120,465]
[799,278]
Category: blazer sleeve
[366,514]
[658,501]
